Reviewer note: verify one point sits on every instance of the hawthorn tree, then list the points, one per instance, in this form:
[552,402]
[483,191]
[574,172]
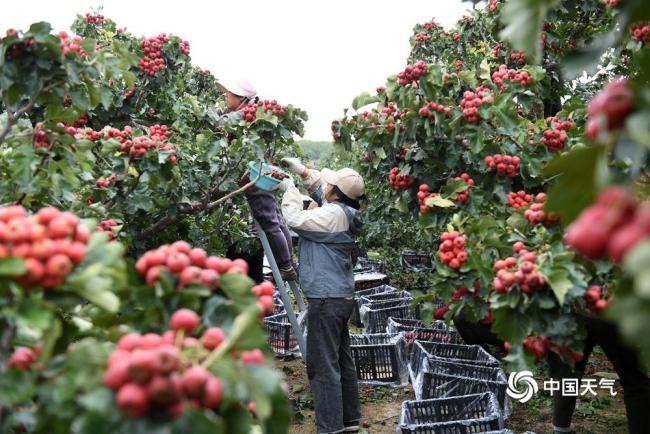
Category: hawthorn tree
[482,122]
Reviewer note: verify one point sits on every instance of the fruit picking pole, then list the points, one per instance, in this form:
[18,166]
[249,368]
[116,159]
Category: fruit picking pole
[282,289]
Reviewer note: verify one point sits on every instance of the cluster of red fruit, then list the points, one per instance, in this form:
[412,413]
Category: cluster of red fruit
[494,4]
[158,132]
[40,137]
[430,25]
[188,265]
[391,110]
[106,182]
[51,243]
[518,57]
[613,225]
[456,37]
[472,101]
[106,226]
[380,89]
[519,199]
[458,65]
[536,214]
[462,196]
[423,195]
[595,301]
[538,346]
[503,74]
[139,146]
[402,154]
[463,291]
[427,110]
[23,358]
[412,73]
[611,3]
[185,48]
[640,31]
[505,165]
[249,111]
[440,312]
[512,271]
[94,19]
[609,109]
[276,175]
[559,124]
[71,45]
[422,38]
[555,139]
[451,251]
[150,370]
[153,61]
[399,182]
[264,293]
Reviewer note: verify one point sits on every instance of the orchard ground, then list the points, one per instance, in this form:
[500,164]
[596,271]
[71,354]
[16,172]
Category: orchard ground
[380,406]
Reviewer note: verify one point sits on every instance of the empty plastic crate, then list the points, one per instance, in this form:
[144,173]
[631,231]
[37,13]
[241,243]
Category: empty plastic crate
[379,360]
[280,337]
[356,319]
[475,413]
[457,353]
[375,318]
[439,379]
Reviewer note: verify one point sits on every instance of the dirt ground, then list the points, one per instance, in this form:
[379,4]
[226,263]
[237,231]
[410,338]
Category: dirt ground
[380,406]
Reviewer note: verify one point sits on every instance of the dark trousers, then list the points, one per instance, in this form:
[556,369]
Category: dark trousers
[330,367]
[255,262]
[476,333]
[264,208]
[632,374]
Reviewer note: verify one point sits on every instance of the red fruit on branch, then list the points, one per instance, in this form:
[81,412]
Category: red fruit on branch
[472,101]
[212,338]
[440,312]
[519,199]
[505,165]
[22,358]
[611,225]
[254,357]
[518,57]
[450,251]
[184,319]
[609,109]
[463,196]
[640,32]
[412,74]
[133,400]
[399,182]
[536,214]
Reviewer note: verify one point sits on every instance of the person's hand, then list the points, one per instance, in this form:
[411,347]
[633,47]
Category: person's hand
[294,165]
[284,185]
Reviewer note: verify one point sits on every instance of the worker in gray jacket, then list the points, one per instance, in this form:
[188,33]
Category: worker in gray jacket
[327,237]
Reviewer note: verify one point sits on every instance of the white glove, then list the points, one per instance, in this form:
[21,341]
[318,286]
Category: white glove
[293,165]
[284,185]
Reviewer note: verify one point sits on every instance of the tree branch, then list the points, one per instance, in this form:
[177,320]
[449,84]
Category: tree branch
[201,206]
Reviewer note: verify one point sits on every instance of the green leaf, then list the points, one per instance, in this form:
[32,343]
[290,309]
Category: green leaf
[523,20]
[438,202]
[510,325]
[587,59]
[580,174]
[12,266]
[559,282]
[199,422]
[364,99]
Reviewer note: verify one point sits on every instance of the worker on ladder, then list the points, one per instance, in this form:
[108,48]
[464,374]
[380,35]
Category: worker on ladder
[327,237]
[263,205]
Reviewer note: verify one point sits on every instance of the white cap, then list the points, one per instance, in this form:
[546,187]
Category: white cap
[347,180]
[239,87]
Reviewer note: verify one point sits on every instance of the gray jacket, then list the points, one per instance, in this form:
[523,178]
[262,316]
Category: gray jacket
[327,238]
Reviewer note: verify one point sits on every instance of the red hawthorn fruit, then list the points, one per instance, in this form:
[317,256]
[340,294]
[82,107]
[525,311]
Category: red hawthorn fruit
[440,312]
[194,381]
[163,391]
[253,357]
[142,365]
[22,358]
[213,393]
[614,103]
[184,319]
[129,342]
[167,358]
[212,338]
[624,239]
[132,399]
[117,374]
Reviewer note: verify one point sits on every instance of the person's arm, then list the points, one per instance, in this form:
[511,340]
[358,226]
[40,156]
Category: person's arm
[323,219]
